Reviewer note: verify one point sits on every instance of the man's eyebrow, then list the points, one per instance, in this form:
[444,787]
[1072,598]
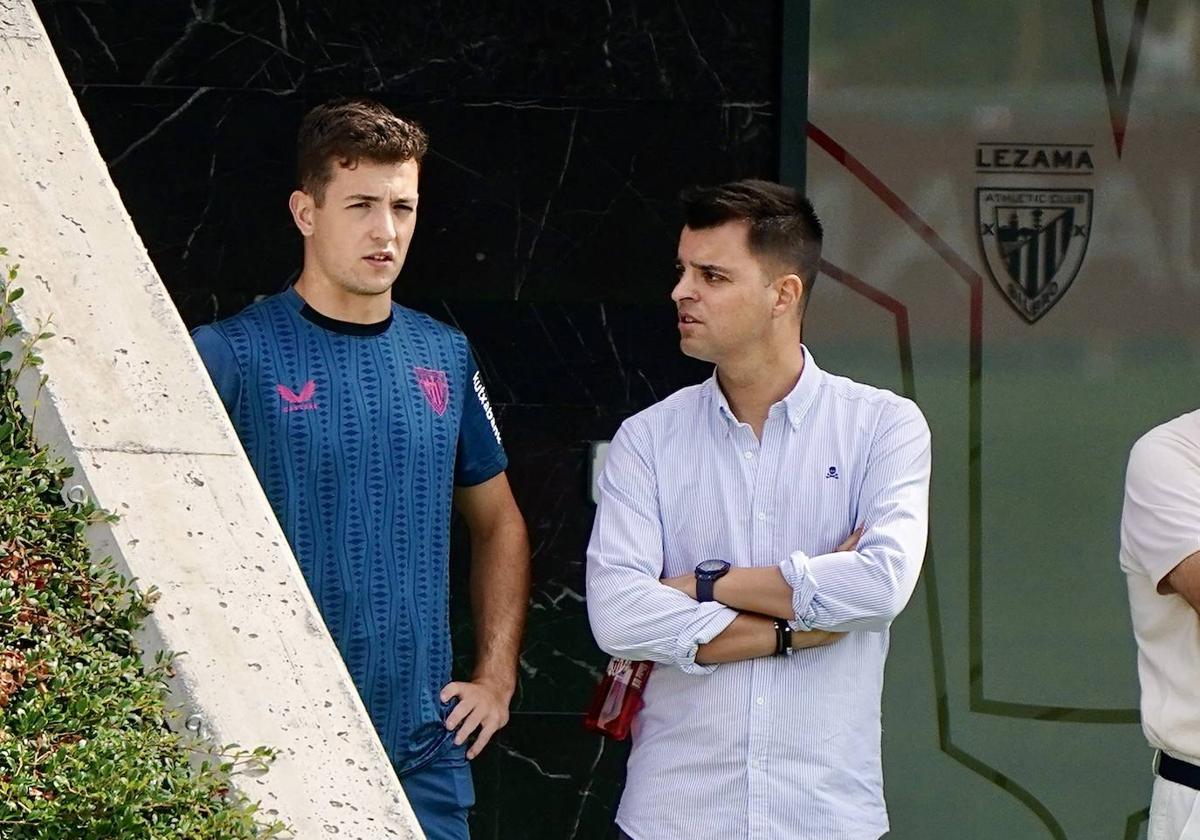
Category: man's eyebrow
[712,268]
[404,199]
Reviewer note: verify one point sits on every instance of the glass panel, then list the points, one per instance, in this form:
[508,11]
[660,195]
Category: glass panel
[1010,192]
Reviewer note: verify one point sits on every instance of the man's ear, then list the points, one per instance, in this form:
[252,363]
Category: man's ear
[302,205]
[789,293]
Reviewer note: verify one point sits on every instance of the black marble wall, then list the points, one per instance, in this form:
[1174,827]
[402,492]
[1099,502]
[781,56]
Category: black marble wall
[561,135]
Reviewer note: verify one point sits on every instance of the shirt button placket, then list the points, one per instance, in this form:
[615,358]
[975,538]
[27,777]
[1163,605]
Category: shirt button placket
[760,504]
[749,447]
[760,710]
[757,764]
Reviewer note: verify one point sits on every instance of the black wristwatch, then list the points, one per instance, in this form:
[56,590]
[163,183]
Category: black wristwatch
[707,574]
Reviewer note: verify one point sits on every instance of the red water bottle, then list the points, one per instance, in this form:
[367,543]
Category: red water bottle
[618,698]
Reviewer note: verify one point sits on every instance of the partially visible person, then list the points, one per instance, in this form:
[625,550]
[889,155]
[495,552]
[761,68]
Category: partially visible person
[363,420]
[1160,555]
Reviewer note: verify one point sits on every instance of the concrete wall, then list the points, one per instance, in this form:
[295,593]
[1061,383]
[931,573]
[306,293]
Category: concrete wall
[128,403]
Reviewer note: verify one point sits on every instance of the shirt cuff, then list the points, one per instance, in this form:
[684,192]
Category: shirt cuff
[796,571]
[709,621]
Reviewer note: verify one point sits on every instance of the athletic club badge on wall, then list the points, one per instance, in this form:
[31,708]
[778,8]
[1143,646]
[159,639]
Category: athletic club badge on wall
[1033,239]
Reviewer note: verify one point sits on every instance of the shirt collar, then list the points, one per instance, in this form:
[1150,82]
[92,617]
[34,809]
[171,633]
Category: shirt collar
[296,302]
[796,403]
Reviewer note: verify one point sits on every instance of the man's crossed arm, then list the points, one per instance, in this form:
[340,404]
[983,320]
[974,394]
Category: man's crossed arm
[760,595]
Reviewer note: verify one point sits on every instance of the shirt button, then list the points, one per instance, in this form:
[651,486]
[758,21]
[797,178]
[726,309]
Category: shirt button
[754,764]
[762,517]
[749,454]
[760,701]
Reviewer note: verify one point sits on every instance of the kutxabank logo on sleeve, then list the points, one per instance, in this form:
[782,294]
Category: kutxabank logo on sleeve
[481,392]
[1033,237]
[1033,242]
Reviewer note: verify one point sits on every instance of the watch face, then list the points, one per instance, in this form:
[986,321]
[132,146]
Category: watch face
[711,567]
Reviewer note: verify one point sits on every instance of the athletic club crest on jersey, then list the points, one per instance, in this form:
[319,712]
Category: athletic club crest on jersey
[435,387]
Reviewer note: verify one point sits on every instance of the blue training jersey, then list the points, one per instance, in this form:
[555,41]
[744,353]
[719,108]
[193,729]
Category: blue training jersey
[358,434]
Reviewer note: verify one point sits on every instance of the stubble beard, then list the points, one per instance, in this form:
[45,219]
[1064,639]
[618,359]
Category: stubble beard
[350,283]
[695,351]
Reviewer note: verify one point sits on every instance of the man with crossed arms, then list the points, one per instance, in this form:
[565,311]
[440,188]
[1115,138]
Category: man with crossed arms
[720,550]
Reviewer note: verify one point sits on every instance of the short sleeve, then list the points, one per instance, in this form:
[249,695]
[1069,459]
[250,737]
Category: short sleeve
[480,450]
[1160,523]
[219,359]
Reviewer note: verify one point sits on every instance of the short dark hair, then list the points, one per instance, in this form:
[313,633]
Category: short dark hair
[784,228]
[346,131]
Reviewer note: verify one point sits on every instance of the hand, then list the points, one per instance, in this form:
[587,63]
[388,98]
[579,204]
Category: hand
[684,583]
[851,542]
[482,705]
[804,639]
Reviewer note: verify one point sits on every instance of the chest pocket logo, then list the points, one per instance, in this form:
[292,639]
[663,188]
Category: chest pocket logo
[436,388]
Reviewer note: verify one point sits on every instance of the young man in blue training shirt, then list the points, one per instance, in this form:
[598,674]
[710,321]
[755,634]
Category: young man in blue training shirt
[363,419]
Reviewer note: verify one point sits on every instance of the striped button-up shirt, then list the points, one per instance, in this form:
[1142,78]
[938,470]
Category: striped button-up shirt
[776,748]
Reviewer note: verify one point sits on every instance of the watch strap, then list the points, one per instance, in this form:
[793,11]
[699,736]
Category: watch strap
[783,638]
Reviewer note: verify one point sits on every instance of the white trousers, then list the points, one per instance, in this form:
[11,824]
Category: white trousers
[1174,812]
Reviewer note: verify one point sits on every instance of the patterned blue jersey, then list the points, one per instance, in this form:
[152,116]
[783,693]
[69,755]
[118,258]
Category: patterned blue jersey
[359,434]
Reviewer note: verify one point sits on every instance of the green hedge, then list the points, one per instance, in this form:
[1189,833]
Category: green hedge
[85,751]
